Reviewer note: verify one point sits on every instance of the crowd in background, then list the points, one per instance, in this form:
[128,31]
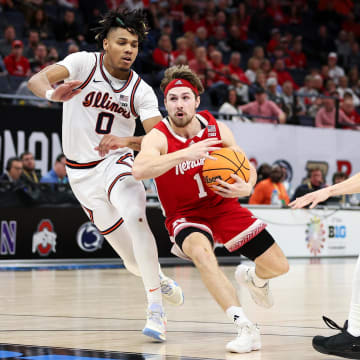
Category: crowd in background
[274,61]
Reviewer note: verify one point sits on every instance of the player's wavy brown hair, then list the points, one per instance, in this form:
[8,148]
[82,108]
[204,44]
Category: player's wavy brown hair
[181,72]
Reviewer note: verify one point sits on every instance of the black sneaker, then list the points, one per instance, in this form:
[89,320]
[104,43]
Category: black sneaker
[343,344]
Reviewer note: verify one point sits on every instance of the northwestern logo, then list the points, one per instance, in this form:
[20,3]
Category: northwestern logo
[88,237]
[44,240]
[187,165]
[8,237]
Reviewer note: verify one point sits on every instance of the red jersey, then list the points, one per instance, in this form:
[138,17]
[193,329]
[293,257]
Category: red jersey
[182,188]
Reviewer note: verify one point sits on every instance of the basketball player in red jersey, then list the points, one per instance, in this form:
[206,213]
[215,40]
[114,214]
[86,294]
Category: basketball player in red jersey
[173,153]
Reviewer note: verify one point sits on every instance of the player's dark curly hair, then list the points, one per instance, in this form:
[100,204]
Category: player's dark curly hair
[181,72]
[134,21]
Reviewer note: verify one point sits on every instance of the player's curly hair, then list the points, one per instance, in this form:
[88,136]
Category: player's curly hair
[181,72]
[133,21]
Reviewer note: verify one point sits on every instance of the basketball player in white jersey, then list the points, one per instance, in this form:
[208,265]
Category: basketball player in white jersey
[346,343]
[101,96]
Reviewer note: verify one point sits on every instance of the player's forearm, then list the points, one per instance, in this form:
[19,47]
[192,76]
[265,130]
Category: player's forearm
[134,142]
[148,166]
[349,186]
[39,84]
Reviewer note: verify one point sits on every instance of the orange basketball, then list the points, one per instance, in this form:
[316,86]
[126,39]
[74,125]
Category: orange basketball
[227,162]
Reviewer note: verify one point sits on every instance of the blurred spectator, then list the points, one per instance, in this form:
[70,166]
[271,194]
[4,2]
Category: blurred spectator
[282,74]
[68,29]
[200,65]
[259,53]
[219,40]
[318,84]
[348,107]
[234,67]
[335,71]
[182,48]
[201,37]
[263,107]
[17,64]
[275,11]
[234,40]
[57,175]
[337,178]
[218,67]
[314,182]
[229,109]
[274,41]
[343,47]
[39,23]
[263,172]
[181,60]
[354,56]
[6,42]
[297,58]
[71,4]
[163,54]
[326,116]
[271,190]
[72,48]
[32,43]
[292,106]
[351,25]
[242,90]
[323,44]
[243,19]
[13,170]
[307,92]
[39,61]
[53,55]
[29,174]
[252,67]
[273,93]
[260,81]
[266,66]
[3,70]
[343,88]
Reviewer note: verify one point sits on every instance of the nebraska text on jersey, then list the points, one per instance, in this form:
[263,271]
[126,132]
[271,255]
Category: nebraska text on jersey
[187,165]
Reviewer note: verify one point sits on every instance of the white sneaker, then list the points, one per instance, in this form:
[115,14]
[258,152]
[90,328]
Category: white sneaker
[248,339]
[171,291]
[155,326]
[261,295]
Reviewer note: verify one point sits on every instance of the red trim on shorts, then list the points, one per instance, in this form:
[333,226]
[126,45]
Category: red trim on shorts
[90,76]
[115,180]
[112,228]
[75,165]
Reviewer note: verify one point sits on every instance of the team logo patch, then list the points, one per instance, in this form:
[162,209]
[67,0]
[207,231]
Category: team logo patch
[179,82]
[88,237]
[124,98]
[315,235]
[44,240]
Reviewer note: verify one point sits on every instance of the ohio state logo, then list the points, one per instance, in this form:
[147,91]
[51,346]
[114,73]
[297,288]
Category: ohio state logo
[44,240]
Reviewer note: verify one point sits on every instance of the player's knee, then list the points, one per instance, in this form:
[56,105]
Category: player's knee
[203,258]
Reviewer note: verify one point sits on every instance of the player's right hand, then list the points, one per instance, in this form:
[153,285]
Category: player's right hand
[202,149]
[66,91]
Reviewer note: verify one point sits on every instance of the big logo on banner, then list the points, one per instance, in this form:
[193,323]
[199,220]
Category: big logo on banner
[88,237]
[44,240]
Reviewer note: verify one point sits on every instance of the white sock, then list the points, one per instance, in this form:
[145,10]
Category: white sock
[258,282]
[154,296]
[354,314]
[161,274]
[237,316]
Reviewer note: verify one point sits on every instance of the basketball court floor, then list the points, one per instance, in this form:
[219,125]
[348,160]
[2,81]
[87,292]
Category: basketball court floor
[99,313]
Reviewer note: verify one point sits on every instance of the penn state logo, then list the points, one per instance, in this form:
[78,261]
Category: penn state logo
[88,237]
[44,240]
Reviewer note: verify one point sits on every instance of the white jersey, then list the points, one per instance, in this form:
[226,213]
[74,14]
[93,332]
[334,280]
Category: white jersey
[106,105]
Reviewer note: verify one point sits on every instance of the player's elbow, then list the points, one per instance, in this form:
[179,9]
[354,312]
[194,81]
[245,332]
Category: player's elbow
[138,172]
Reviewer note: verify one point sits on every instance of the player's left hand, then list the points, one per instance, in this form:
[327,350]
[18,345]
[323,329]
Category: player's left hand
[111,142]
[239,188]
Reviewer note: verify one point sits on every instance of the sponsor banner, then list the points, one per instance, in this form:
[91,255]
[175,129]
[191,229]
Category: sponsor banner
[313,233]
[299,148]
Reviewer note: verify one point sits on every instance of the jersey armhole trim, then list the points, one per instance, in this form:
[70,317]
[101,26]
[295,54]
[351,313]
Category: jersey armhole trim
[132,107]
[90,75]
